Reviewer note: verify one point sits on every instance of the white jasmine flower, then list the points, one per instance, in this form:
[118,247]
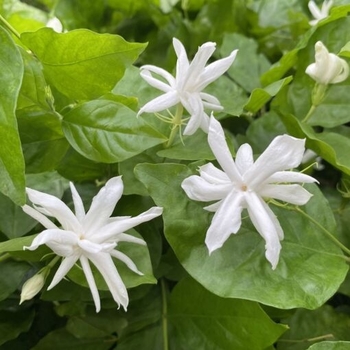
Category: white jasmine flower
[243,184]
[318,13]
[55,24]
[186,88]
[91,236]
[328,67]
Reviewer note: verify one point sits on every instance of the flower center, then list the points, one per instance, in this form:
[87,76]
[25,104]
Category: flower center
[244,187]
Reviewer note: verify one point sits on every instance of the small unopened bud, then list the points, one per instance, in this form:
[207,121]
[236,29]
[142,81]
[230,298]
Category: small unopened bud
[33,286]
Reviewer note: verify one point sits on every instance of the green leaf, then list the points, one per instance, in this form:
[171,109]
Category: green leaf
[12,324]
[306,324]
[202,320]
[331,345]
[333,147]
[107,131]
[260,96]
[248,65]
[310,270]
[12,181]
[13,273]
[61,339]
[82,64]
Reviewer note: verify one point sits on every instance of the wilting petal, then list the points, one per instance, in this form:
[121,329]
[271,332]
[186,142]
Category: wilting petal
[267,225]
[214,70]
[284,152]
[102,205]
[91,282]
[161,103]
[47,223]
[294,194]
[60,241]
[227,220]
[199,189]
[213,175]
[66,265]
[160,71]
[105,265]
[52,206]
[218,145]
[126,260]
[78,203]
[244,158]
[112,230]
[158,84]
[290,176]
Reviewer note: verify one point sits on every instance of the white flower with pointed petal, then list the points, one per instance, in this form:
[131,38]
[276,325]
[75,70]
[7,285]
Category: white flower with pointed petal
[91,236]
[186,88]
[318,13]
[243,184]
[328,67]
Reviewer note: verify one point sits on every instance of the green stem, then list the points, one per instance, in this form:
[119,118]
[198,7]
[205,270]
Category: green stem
[330,236]
[309,114]
[52,263]
[164,314]
[9,27]
[176,123]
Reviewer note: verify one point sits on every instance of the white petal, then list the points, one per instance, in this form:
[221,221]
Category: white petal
[160,103]
[160,71]
[315,11]
[193,104]
[112,230]
[78,203]
[199,189]
[214,70]
[158,84]
[213,175]
[267,225]
[210,99]
[182,64]
[284,152]
[290,176]
[91,282]
[294,194]
[47,223]
[52,206]
[102,205]
[124,237]
[126,260]
[244,158]
[95,248]
[66,265]
[218,145]
[61,242]
[104,264]
[213,207]
[227,220]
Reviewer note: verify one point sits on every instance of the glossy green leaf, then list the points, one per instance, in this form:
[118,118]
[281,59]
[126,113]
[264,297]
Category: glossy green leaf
[310,270]
[12,181]
[202,320]
[107,131]
[260,96]
[331,345]
[82,64]
[333,147]
[306,324]
[12,324]
[61,339]
[248,65]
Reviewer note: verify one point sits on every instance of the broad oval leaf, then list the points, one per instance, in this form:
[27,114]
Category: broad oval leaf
[331,345]
[310,270]
[12,182]
[107,131]
[82,64]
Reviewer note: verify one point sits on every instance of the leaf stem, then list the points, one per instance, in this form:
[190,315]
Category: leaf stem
[309,114]
[9,27]
[164,314]
[329,235]
[176,123]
